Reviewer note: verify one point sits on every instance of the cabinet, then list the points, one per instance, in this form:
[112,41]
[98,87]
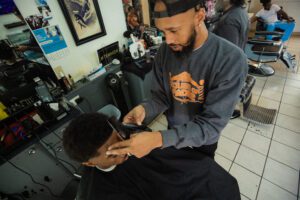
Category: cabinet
[47,163]
[36,161]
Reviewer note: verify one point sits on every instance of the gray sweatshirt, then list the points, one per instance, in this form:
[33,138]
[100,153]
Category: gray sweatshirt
[198,93]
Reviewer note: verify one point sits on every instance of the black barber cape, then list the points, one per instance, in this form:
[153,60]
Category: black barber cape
[165,174]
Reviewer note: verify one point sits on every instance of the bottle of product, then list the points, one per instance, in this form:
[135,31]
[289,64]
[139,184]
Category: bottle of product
[72,82]
[3,114]
[64,83]
[148,56]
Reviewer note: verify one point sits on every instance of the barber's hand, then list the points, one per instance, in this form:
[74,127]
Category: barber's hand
[290,19]
[135,116]
[138,145]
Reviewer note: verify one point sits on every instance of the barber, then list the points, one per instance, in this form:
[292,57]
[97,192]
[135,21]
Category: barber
[197,80]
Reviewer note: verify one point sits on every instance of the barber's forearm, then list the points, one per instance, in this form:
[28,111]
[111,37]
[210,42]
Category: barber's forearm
[153,108]
[191,134]
[284,14]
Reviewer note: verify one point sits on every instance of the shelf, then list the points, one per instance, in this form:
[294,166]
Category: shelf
[14,24]
[15,114]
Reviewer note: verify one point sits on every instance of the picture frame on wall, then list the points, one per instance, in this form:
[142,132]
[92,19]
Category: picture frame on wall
[84,19]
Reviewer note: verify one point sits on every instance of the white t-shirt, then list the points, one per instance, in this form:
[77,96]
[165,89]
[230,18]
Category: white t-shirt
[107,169]
[269,16]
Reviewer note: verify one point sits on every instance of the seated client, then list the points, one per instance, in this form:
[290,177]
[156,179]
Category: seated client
[167,173]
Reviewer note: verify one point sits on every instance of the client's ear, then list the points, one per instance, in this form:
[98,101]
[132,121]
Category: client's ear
[88,164]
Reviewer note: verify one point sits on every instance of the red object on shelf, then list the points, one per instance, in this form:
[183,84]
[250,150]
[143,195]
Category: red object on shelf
[7,138]
[18,130]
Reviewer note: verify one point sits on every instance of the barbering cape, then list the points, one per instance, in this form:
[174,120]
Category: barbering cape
[165,174]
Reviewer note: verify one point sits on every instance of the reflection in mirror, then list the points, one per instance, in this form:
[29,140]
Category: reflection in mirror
[22,42]
[21,62]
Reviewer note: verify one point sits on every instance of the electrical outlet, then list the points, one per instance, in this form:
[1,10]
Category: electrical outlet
[73,100]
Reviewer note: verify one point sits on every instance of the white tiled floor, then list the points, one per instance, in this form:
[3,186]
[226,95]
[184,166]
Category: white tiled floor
[265,159]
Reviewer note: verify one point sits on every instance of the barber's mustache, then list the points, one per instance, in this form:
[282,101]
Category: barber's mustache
[174,45]
[182,45]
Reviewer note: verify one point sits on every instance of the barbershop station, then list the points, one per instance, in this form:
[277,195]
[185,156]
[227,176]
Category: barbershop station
[149,99]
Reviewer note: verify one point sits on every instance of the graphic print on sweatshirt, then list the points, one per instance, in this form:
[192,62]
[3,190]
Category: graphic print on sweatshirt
[185,89]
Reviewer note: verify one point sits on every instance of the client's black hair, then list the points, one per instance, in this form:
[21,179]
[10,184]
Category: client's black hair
[85,134]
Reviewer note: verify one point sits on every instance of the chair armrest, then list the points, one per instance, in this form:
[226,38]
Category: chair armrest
[267,50]
[265,42]
[273,33]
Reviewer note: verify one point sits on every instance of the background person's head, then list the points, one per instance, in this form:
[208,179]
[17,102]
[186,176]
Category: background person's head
[266,4]
[223,5]
[87,138]
[183,26]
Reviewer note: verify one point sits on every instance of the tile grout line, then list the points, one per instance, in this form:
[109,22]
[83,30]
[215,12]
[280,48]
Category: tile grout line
[270,144]
[258,153]
[259,96]
[287,128]
[280,187]
[245,196]
[266,138]
[297,118]
[264,179]
[274,128]
[298,189]
[238,149]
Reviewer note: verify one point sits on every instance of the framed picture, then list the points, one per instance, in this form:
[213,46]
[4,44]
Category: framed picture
[84,19]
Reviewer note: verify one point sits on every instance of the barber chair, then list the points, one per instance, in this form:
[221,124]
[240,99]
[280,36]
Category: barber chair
[267,46]
[263,51]
[251,112]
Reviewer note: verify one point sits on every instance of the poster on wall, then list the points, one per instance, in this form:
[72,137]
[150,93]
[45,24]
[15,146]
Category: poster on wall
[36,21]
[44,9]
[50,39]
[134,18]
[84,19]
[133,13]
[41,2]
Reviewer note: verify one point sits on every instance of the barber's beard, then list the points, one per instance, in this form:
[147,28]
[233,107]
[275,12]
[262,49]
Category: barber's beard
[188,48]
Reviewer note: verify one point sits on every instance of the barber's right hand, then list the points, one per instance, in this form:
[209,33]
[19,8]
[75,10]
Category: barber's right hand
[135,116]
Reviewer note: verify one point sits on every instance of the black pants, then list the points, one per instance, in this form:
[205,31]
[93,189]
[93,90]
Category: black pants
[208,150]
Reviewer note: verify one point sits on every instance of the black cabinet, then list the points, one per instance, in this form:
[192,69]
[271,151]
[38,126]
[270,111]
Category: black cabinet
[43,168]
[46,162]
